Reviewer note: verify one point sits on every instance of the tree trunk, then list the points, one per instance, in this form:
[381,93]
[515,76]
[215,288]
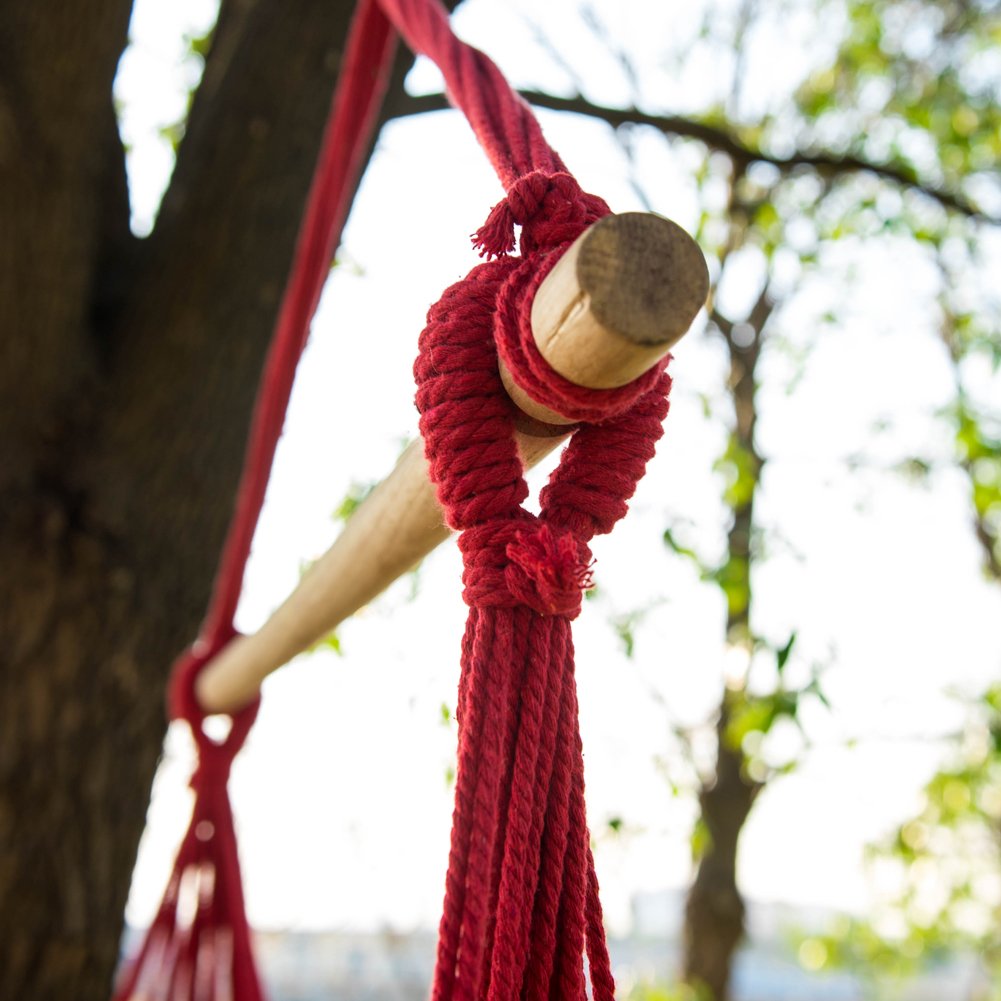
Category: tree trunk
[714,909]
[128,370]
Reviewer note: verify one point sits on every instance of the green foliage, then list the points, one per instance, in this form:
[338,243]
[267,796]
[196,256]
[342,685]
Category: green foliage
[740,472]
[944,864]
[646,990]
[913,86]
[329,642]
[199,45]
[978,449]
[197,49]
[624,629]
[626,624]
[352,500]
[672,543]
[700,839]
[734,579]
[752,714]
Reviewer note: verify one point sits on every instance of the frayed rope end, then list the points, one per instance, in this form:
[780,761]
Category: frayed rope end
[548,572]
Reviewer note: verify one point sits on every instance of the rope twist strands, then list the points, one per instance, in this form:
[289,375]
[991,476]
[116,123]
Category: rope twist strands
[517,348]
[504,124]
[521,904]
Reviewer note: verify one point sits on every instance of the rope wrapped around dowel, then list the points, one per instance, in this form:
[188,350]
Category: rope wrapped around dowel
[521,906]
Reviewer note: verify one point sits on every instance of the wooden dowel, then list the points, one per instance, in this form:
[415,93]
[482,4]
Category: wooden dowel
[394,528]
[616,303]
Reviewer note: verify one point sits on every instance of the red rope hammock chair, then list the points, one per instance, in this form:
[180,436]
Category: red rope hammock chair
[521,916]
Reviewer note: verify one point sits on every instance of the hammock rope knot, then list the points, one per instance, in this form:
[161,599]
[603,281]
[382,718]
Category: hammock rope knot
[524,561]
[549,571]
[521,907]
[551,209]
[517,349]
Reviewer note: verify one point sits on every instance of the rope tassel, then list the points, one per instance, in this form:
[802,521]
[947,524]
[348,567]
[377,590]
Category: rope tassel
[198,946]
[521,908]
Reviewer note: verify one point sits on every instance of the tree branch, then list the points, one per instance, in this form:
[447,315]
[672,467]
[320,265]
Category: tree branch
[725,141]
[192,334]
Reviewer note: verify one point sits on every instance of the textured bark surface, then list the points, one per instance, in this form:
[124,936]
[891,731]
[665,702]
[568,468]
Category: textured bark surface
[714,909]
[127,375]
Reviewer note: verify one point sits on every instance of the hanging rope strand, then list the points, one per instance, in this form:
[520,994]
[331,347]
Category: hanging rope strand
[503,122]
[357,98]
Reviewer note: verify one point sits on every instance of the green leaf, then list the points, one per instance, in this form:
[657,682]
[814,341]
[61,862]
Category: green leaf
[352,500]
[701,840]
[329,642]
[782,656]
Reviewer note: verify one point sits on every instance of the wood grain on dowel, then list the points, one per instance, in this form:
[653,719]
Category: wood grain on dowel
[614,305]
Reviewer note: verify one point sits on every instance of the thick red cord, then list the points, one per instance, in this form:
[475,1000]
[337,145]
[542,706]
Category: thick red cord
[521,904]
[521,907]
[359,94]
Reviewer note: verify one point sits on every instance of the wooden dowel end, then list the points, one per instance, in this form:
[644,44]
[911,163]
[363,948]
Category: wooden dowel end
[616,302]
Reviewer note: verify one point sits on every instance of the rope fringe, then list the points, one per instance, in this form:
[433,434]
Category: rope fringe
[521,907]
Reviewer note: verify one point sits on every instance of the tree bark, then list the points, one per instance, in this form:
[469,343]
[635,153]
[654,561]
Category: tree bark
[714,909]
[128,370]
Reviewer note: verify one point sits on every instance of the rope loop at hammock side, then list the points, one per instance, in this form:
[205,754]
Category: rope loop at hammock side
[198,945]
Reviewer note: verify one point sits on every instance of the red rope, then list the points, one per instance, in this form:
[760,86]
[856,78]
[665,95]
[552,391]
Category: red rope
[521,904]
[361,87]
[521,907]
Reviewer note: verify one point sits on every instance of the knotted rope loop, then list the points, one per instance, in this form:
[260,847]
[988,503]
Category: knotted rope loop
[550,208]
[214,756]
[511,558]
[525,561]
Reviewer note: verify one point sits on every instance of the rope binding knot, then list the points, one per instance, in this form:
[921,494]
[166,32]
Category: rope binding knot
[549,571]
[524,560]
[214,756]
[550,208]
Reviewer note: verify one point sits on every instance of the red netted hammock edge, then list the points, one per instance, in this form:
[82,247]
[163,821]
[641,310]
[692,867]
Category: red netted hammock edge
[521,916]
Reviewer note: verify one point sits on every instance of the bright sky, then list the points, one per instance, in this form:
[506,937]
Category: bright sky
[341,797]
